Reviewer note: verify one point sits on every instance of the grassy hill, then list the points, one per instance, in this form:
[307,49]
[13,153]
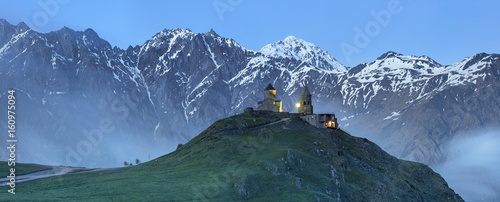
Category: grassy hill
[258,158]
[21,168]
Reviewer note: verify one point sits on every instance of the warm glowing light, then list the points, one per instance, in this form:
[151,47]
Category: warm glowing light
[297,105]
[330,124]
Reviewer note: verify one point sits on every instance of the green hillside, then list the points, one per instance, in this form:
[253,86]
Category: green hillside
[259,158]
[21,168]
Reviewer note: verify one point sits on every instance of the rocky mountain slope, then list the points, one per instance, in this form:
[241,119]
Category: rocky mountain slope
[248,156]
[74,89]
[418,105]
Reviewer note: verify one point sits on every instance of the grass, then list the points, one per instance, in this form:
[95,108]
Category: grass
[21,168]
[250,157]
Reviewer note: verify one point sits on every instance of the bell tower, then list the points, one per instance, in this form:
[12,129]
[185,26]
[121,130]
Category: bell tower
[305,105]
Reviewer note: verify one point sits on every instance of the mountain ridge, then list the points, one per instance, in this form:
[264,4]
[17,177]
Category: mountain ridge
[210,77]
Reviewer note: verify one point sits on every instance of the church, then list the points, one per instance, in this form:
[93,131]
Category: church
[305,109]
[270,103]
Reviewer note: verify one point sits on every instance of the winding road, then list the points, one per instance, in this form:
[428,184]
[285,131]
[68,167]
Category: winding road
[53,171]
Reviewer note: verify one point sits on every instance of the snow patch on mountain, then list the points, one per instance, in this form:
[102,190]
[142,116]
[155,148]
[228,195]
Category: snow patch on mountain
[168,37]
[250,72]
[293,47]
[418,75]
[468,71]
[13,40]
[393,116]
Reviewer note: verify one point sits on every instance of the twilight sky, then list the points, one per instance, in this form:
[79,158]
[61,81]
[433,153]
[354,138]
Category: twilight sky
[351,31]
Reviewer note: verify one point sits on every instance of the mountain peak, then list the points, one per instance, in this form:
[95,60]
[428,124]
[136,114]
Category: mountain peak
[65,30]
[22,27]
[294,39]
[176,30]
[167,34]
[388,54]
[90,32]
[4,22]
[173,32]
[212,33]
[480,55]
[400,58]
[296,48]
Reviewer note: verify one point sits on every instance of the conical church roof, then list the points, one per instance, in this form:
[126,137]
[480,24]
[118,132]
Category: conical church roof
[305,91]
[269,87]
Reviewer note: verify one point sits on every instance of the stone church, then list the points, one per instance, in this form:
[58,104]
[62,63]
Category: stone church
[270,103]
[305,109]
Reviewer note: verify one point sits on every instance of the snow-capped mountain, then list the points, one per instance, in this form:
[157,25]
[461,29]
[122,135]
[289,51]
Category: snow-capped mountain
[80,91]
[412,106]
[394,72]
[293,47]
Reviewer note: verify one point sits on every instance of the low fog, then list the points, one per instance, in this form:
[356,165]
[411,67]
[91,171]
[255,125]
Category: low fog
[473,165]
[77,132]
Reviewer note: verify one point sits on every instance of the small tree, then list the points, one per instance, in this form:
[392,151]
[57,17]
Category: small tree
[130,164]
[179,146]
[137,161]
[125,163]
